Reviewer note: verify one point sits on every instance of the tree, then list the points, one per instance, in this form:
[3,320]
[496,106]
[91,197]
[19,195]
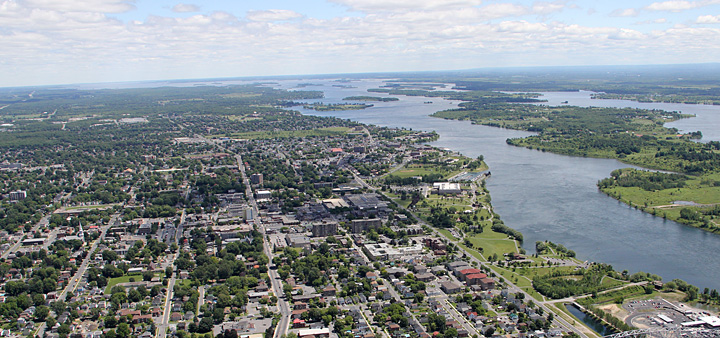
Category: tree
[123,330]
[218,315]
[63,330]
[41,312]
[148,275]
[206,325]
[110,321]
[109,255]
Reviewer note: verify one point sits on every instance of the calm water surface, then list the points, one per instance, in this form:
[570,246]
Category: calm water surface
[554,197]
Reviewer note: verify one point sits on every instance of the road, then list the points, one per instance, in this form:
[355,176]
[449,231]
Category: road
[161,330]
[275,282]
[75,280]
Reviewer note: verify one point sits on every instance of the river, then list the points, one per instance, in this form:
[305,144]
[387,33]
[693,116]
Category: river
[554,197]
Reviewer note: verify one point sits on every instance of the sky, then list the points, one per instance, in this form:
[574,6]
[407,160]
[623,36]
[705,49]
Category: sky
[44,42]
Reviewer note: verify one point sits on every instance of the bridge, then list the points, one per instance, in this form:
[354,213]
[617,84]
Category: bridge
[668,332]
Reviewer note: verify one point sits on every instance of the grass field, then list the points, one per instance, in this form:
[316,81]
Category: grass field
[125,279]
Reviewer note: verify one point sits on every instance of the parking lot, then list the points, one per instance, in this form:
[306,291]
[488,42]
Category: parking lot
[653,313]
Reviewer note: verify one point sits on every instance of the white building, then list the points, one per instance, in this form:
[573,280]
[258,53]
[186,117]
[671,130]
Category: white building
[445,188]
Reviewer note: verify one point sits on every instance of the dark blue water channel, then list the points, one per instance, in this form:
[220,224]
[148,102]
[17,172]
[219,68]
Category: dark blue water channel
[591,322]
[553,197]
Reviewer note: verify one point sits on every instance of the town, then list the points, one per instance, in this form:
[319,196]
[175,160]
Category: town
[268,223]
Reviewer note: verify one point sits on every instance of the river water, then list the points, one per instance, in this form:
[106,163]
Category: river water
[554,197]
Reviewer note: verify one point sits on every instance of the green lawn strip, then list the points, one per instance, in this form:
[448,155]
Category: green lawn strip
[447,234]
[612,296]
[611,283]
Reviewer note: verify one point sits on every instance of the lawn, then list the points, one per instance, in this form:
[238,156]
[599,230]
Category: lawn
[123,279]
[492,243]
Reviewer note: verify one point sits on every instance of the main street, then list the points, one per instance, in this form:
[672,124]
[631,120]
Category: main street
[275,283]
[161,330]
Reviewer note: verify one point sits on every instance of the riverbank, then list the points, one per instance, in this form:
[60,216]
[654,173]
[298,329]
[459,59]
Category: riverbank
[690,200]
[633,136]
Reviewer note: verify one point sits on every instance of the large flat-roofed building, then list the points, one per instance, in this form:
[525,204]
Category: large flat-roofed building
[264,195]
[256,179]
[298,241]
[333,203]
[34,241]
[366,202]
[315,333]
[359,225]
[324,229]
[385,251]
[17,195]
[447,188]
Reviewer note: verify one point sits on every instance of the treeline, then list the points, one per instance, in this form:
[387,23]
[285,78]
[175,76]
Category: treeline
[616,323]
[499,226]
[646,180]
[547,248]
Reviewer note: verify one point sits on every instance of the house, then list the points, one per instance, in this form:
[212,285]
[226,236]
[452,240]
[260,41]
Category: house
[329,291]
[142,319]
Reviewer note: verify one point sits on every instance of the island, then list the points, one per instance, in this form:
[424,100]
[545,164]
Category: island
[337,106]
[370,98]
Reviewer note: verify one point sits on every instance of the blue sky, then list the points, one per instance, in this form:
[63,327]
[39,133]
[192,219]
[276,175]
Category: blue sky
[71,41]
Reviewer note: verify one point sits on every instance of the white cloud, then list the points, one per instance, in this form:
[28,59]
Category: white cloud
[52,45]
[273,15]
[99,6]
[405,5]
[544,8]
[648,22]
[624,12]
[679,5]
[185,8]
[708,19]
[626,34]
